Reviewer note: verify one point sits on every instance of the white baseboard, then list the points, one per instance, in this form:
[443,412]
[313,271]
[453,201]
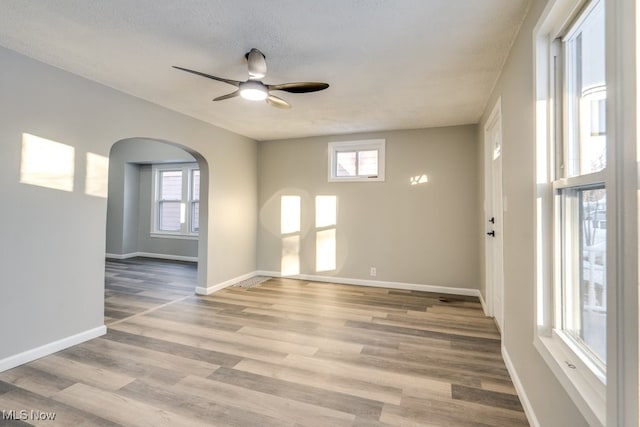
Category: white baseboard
[526,404]
[53,347]
[379,284]
[118,256]
[152,255]
[345,281]
[215,288]
[483,304]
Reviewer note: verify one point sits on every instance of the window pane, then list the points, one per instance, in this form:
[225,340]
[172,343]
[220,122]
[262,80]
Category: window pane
[346,163]
[171,185]
[368,163]
[195,217]
[586,95]
[195,184]
[586,288]
[593,291]
[169,216]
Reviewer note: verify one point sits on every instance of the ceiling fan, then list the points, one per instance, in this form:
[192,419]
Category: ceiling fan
[254,89]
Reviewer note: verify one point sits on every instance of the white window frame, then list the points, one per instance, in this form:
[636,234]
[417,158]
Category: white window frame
[583,380]
[618,404]
[186,201]
[357,146]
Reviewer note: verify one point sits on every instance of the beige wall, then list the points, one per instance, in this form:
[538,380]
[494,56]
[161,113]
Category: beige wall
[424,234]
[550,403]
[52,252]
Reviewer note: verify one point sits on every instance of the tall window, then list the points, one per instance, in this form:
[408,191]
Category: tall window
[581,201]
[572,206]
[176,201]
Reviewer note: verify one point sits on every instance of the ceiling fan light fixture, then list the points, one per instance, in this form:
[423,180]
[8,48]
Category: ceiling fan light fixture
[253,91]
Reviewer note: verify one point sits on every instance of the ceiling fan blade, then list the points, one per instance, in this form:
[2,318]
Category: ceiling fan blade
[257,64]
[209,76]
[227,96]
[277,102]
[300,87]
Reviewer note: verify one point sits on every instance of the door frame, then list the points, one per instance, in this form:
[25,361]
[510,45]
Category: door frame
[491,288]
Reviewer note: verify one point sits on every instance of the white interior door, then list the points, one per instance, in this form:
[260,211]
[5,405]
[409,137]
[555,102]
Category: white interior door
[494,205]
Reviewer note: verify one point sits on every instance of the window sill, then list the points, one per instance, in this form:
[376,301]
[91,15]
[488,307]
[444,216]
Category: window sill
[357,179]
[174,236]
[584,387]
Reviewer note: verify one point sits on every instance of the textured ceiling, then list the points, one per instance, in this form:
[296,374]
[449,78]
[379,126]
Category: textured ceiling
[391,64]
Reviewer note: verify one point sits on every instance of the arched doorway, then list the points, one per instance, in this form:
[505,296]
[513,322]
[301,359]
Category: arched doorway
[156,231]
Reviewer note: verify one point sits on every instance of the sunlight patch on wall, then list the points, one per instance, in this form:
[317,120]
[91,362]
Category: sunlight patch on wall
[97,176]
[47,163]
[290,214]
[418,179]
[326,211]
[326,250]
[290,230]
[290,261]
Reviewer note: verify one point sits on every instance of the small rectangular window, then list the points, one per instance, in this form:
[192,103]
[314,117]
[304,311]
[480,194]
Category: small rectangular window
[357,160]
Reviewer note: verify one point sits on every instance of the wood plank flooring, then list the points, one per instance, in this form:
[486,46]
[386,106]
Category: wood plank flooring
[136,285]
[284,353]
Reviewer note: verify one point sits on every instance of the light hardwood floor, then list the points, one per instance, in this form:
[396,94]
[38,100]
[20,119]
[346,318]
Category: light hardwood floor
[284,353]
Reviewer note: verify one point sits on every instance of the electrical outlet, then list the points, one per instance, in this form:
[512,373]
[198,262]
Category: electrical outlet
[373,271]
